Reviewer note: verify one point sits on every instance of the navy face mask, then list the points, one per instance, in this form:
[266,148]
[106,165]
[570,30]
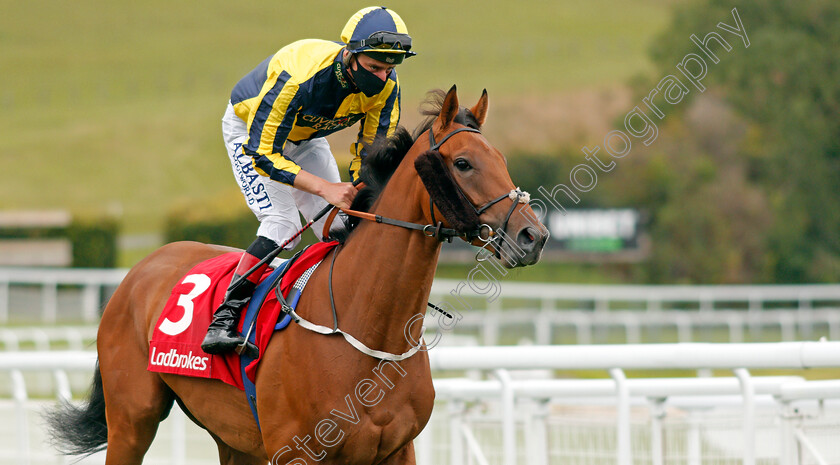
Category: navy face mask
[367,82]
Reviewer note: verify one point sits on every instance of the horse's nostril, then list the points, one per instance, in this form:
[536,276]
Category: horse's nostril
[526,237]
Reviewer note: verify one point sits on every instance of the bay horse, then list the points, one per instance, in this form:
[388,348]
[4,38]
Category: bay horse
[319,399]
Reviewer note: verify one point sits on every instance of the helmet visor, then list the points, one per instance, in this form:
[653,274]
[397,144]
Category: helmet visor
[383,40]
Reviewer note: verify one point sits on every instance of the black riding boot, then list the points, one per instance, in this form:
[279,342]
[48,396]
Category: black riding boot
[222,335]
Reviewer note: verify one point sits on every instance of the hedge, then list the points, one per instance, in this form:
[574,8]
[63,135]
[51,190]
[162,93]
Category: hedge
[94,241]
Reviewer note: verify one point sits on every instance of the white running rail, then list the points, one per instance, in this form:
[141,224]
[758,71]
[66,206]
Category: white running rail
[524,403]
[478,295]
[91,282]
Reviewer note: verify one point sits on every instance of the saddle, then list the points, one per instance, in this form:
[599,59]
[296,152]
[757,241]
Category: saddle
[175,346]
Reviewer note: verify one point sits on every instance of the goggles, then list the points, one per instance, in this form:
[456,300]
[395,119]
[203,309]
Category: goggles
[384,40]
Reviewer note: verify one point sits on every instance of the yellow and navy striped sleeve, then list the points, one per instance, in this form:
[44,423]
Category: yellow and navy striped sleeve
[267,99]
[269,128]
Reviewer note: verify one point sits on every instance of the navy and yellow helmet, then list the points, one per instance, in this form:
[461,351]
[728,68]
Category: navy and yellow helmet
[379,33]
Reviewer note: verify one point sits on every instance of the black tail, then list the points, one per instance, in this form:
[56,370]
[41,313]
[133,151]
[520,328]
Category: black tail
[80,430]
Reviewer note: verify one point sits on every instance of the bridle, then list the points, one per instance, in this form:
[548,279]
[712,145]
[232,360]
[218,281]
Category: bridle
[482,232]
[516,196]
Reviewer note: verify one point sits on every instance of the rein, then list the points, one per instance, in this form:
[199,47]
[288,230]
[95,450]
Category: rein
[430,230]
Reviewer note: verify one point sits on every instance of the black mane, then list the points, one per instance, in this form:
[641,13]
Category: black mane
[385,154]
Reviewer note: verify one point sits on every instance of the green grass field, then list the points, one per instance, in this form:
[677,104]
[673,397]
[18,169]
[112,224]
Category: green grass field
[114,107]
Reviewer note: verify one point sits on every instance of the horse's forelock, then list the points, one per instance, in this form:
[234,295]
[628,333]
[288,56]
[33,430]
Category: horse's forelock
[431,108]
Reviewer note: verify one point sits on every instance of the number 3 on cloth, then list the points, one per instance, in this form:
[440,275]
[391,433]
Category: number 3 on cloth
[202,283]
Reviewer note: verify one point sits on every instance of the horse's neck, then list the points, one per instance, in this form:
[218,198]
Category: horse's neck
[389,272]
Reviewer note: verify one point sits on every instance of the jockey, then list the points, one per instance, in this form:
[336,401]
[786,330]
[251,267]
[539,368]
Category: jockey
[274,130]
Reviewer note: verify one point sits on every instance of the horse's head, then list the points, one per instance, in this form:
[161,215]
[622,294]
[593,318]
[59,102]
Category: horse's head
[470,187]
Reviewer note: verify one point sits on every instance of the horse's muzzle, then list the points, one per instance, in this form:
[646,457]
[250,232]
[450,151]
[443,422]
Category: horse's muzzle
[522,248]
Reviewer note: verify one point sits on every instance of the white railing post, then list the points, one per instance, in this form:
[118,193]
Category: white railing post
[754,316]
[693,442]
[632,328]
[11,341]
[543,322]
[490,332]
[90,303]
[455,408]
[804,316]
[684,332]
[19,394]
[423,443]
[583,329]
[707,305]
[508,419]
[74,339]
[810,447]
[4,302]
[787,440]
[473,447]
[536,441]
[736,328]
[624,450]
[787,324]
[40,339]
[602,313]
[657,414]
[49,296]
[748,392]
[654,304]
[653,312]
[179,437]
[62,386]
[833,320]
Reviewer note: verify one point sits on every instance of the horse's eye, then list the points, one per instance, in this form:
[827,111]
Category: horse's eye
[462,164]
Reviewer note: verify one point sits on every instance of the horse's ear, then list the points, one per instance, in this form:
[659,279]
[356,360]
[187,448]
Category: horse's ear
[449,108]
[480,108]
